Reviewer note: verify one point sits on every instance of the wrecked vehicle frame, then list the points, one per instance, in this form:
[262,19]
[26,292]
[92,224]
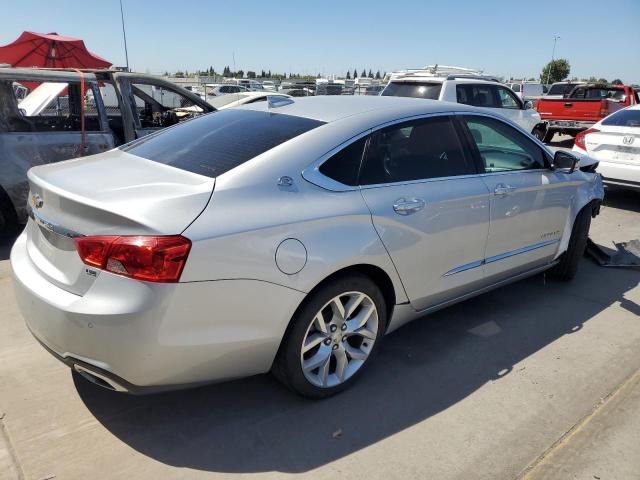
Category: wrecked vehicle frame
[91,112]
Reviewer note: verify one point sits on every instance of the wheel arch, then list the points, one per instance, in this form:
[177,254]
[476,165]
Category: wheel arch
[373,272]
[7,209]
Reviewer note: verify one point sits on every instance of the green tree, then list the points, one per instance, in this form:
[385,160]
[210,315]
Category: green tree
[370,74]
[348,75]
[378,75]
[555,71]
[355,73]
[239,74]
[603,80]
[617,81]
[251,74]
[364,73]
[179,74]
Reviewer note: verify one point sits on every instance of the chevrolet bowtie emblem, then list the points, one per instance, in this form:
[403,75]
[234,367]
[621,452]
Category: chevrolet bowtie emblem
[36,201]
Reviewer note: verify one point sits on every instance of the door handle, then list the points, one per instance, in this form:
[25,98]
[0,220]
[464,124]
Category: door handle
[503,190]
[568,104]
[404,206]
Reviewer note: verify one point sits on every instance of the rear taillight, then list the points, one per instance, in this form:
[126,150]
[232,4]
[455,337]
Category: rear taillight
[579,141]
[148,258]
[604,108]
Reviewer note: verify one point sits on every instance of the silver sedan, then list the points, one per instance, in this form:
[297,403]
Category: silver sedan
[288,236]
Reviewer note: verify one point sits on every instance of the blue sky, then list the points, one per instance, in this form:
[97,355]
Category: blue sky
[501,37]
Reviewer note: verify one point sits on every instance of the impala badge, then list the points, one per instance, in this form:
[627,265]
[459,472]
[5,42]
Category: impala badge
[36,200]
[628,139]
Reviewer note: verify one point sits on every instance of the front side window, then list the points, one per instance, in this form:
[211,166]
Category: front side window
[502,148]
[477,95]
[508,99]
[216,143]
[158,106]
[415,150]
[428,90]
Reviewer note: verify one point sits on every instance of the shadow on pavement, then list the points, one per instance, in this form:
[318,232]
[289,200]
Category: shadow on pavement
[622,198]
[256,425]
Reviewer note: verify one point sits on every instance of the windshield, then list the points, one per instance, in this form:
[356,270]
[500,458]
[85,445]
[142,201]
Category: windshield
[413,89]
[623,118]
[214,144]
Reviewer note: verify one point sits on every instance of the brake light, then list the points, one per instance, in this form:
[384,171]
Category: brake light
[579,140]
[604,108]
[147,258]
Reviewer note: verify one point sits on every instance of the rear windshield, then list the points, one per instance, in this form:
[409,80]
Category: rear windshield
[216,143]
[623,118]
[413,89]
[561,88]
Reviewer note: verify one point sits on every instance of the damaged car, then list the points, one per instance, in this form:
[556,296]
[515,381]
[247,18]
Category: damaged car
[51,115]
[288,237]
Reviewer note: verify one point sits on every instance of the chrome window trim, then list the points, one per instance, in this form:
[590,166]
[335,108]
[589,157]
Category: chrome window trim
[312,173]
[501,256]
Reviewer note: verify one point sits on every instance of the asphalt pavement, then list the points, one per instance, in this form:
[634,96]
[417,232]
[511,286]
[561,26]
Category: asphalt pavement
[537,380]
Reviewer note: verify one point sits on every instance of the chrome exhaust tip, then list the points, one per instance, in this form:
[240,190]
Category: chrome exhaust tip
[99,379]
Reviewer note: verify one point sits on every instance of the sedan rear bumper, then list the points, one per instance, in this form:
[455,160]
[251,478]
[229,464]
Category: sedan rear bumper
[143,337]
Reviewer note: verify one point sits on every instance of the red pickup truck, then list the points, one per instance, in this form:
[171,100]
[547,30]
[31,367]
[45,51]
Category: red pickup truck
[582,107]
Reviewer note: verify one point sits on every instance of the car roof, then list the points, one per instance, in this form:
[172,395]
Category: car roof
[332,108]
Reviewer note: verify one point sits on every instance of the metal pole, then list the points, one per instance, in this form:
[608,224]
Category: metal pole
[124,36]
[553,53]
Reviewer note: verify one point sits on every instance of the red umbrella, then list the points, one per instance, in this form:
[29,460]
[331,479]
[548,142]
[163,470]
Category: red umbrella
[50,50]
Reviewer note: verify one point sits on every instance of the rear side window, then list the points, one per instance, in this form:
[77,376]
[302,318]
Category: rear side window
[216,143]
[343,167]
[415,150]
[426,90]
[623,118]
[561,88]
[477,95]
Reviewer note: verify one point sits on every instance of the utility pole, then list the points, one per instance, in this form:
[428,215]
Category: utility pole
[553,54]
[124,36]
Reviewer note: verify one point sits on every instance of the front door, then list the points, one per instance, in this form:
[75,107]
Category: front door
[529,202]
[429,207]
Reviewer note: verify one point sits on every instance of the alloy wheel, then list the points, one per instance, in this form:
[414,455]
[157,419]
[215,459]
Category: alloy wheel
[339,339]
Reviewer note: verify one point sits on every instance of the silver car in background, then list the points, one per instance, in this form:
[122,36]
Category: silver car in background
[288,237]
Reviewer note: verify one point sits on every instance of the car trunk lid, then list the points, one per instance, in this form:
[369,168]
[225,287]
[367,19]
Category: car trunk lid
[615,144]
[114,193]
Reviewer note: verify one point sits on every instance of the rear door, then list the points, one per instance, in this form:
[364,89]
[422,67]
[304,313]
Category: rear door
[529,202]
[429,207]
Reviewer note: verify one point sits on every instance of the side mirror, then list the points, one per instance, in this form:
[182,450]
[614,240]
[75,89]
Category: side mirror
[528,105]
[563,160]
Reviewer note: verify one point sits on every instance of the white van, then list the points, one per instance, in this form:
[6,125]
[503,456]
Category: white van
[527,90]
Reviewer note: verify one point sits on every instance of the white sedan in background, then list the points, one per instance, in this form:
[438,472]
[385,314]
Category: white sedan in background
[236,99]
[615,142]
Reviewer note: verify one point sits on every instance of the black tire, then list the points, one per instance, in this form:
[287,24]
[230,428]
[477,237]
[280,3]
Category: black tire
[539,132]
[548,136]
[568,266]
[287,366]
